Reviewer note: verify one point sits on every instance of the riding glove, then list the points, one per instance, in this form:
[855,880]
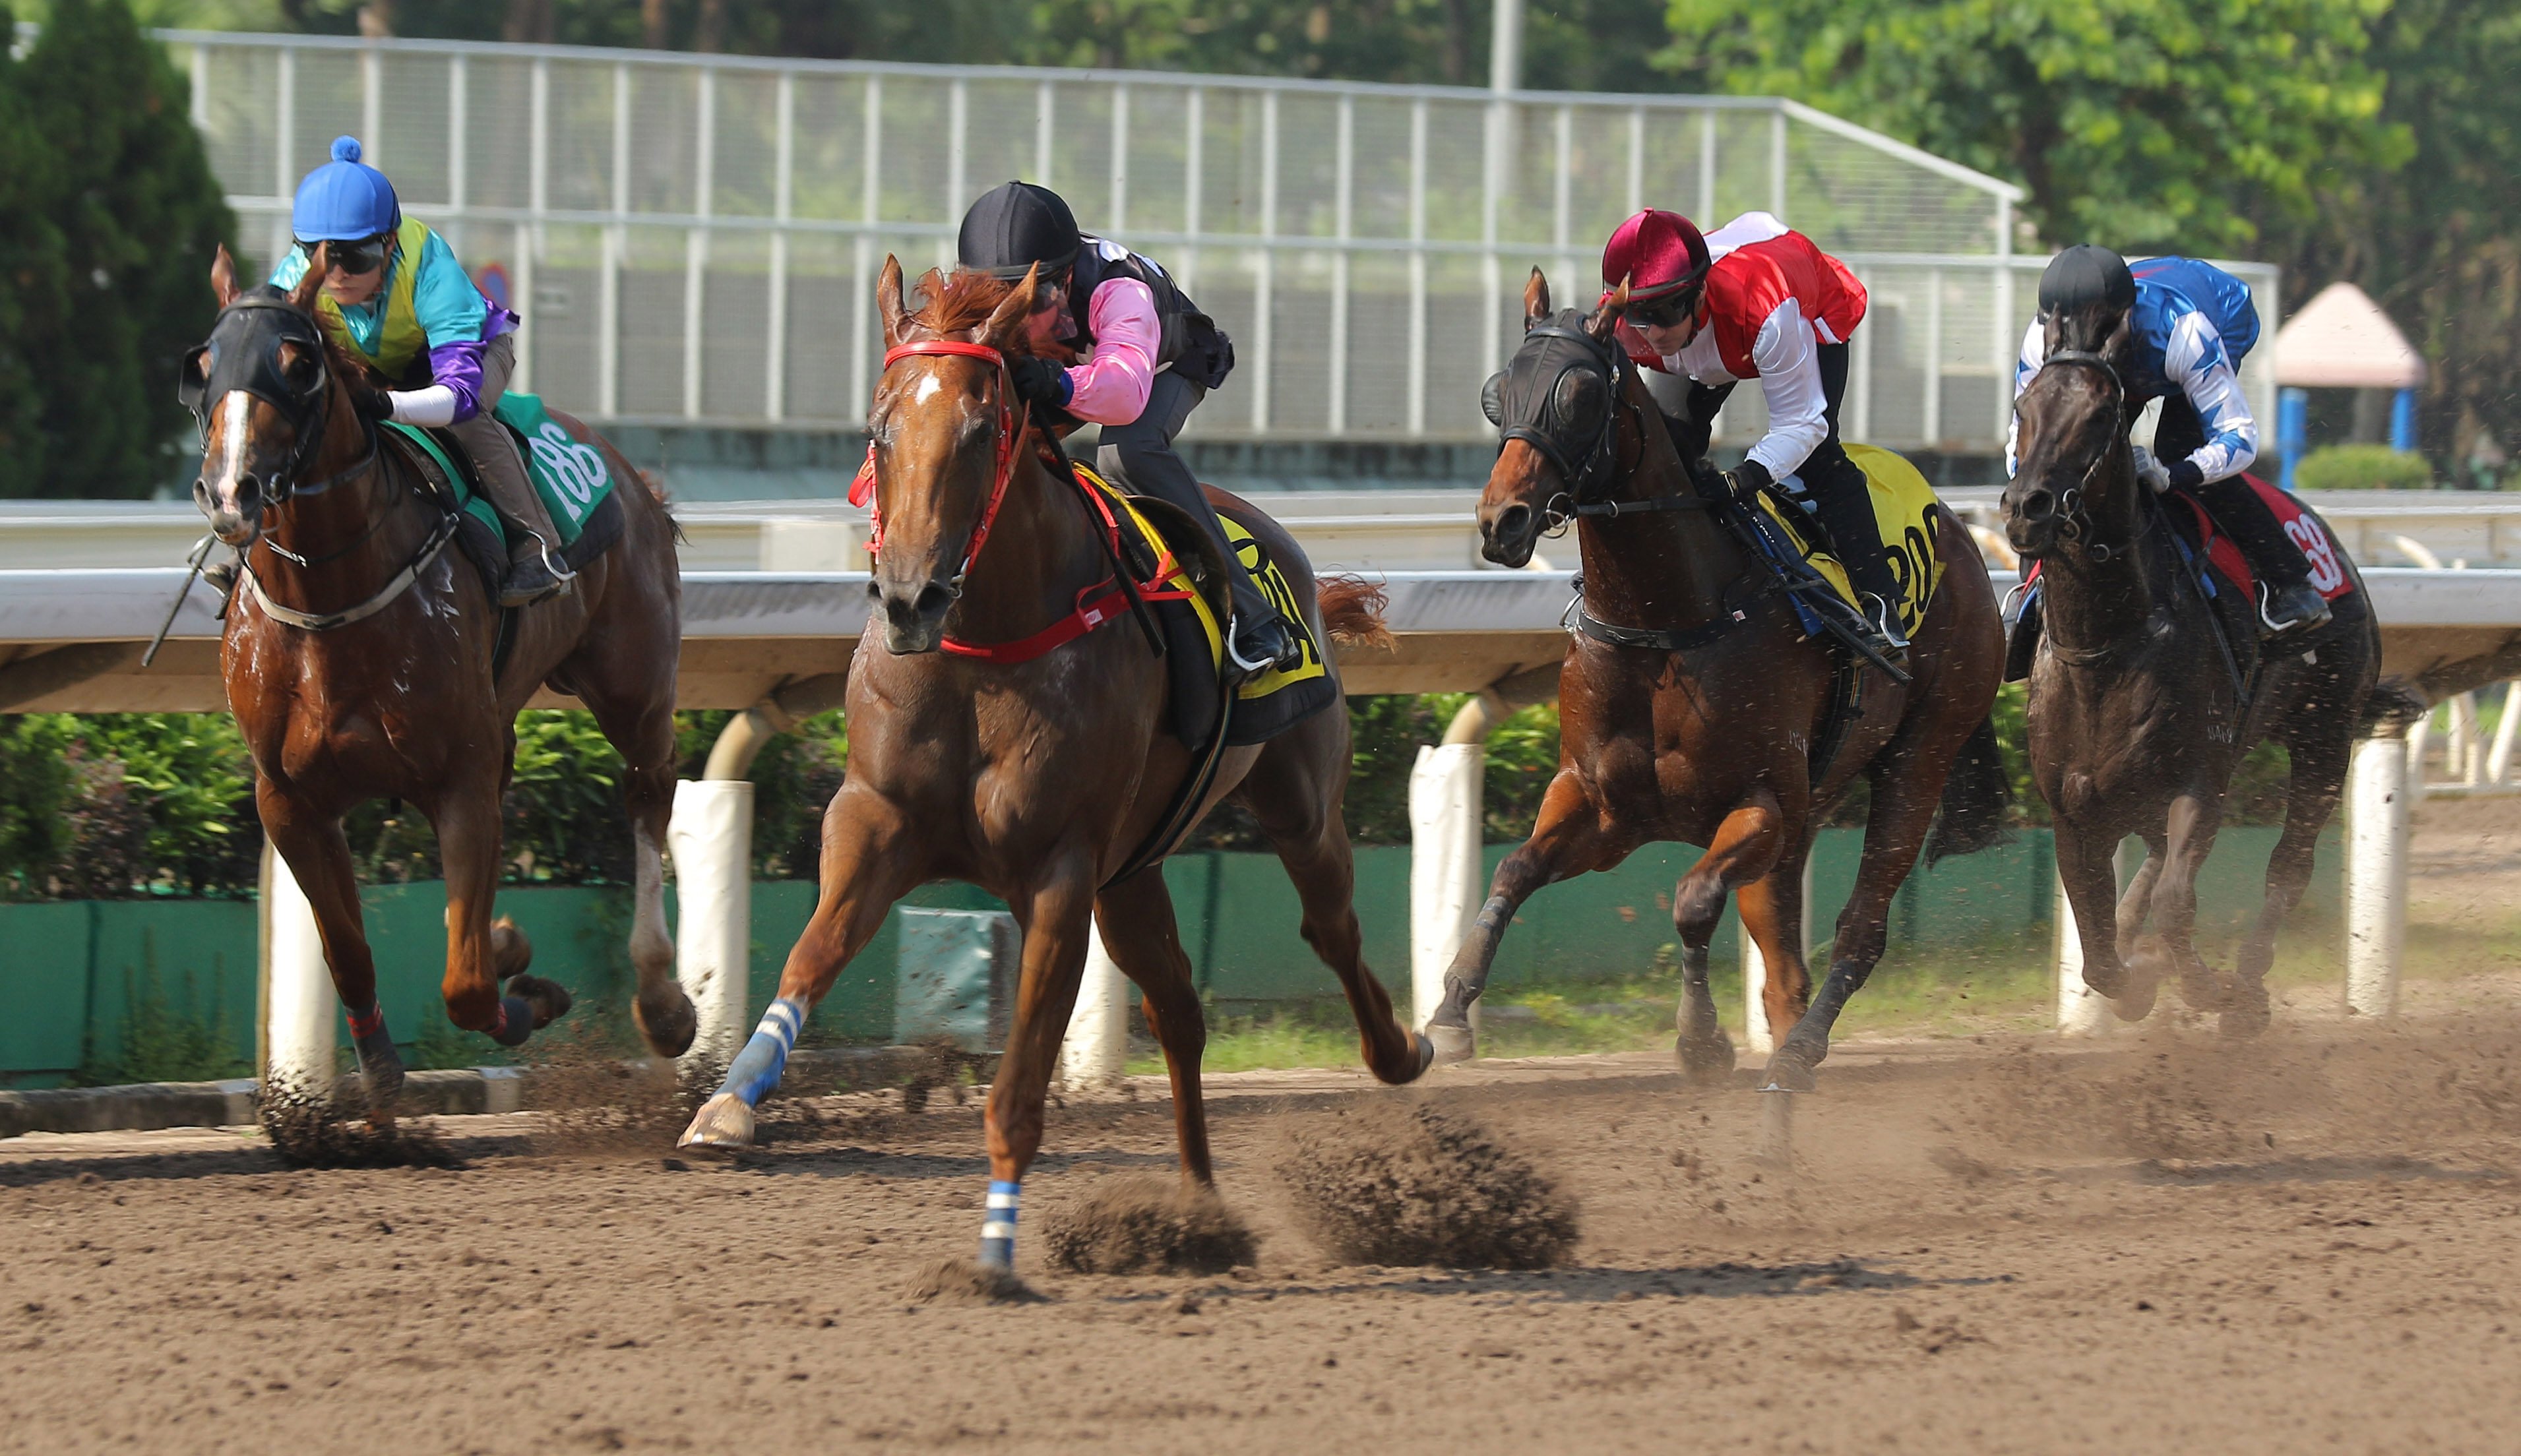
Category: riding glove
[1040,381]
[2152,472]
[370,403]
[1747,480]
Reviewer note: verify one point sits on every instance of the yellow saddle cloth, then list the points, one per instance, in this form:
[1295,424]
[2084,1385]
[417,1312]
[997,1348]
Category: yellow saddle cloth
[1903,506]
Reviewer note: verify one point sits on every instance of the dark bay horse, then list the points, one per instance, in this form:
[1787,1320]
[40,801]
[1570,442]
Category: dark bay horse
[2146,696]
[398,698]
[1712,743]
[1037,779]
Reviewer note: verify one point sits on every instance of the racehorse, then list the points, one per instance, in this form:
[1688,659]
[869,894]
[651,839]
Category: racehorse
[1038,779]
[2146,694]
[1692,707]
[363,661]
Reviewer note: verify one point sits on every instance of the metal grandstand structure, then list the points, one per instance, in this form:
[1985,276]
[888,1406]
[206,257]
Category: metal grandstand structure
[696,239]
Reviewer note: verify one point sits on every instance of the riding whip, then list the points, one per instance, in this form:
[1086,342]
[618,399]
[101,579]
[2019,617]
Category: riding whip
[200,554]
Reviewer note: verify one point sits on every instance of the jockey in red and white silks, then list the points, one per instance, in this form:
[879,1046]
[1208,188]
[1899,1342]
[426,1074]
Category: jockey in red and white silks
[1756,300]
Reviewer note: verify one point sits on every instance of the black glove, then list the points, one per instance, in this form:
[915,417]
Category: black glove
[1039,380]
[1747,480]
[370,403]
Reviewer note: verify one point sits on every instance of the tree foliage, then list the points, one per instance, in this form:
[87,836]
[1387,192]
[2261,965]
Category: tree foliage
[2147,124]
[107,202]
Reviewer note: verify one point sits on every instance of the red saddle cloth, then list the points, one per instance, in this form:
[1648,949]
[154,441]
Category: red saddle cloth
[2307,533]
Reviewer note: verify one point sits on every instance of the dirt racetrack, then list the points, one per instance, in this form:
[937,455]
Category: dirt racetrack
[2161,1243]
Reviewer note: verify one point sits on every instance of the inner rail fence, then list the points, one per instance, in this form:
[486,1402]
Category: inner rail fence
[697,239]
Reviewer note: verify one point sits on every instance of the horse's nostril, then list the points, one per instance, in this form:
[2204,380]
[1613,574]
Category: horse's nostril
[934,597]
[1512,521]
[2038,505]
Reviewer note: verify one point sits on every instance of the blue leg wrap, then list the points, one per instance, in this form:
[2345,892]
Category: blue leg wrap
[998,1225]
[756,1068]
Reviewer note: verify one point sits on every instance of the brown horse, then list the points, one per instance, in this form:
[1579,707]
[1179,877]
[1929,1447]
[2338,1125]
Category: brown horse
[2145,695]
[362,661]
[1037,780]
[1702,725]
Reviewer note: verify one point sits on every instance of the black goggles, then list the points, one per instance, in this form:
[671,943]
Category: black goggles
[356,257]
[1666,311]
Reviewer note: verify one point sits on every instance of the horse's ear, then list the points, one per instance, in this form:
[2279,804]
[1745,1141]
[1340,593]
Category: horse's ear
[888,302]
[1536,299]
[317,265]
[223,277]
[1007,320]
[1606,317]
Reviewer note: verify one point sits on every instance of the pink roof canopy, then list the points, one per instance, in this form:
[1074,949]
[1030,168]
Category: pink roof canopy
[2343,340]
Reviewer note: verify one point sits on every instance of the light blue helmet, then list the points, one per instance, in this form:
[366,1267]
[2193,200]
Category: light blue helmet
[345,199]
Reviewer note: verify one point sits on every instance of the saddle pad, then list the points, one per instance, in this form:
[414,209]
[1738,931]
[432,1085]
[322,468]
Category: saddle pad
[2307,533]
[1904,509]
[571,477]
[1195,644]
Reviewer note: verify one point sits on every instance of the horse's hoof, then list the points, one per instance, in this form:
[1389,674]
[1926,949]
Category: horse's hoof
[2245,1011]
[1451,1044]
[2134,1001]
[549,998]
[668,1027]
[1709,1059]
[724,1124]
[510,951]
[1791,1070]
[1423,1056]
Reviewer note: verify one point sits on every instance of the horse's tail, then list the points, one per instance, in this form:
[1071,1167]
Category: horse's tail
[1976,796]
[2392,707]
[1352,612]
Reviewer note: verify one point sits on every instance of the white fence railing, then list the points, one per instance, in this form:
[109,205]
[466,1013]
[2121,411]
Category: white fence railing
[698,237]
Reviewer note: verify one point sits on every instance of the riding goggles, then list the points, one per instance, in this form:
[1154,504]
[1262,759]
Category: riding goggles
[1666,311]
[356,257]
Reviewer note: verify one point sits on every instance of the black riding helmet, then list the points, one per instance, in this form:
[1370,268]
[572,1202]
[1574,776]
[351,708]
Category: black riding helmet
[1014,227]
[2086,276]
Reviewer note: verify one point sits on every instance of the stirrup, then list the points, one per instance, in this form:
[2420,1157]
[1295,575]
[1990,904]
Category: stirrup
[1286,652]
[2270,627]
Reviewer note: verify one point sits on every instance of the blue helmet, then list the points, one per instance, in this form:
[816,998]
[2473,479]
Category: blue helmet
[345,199]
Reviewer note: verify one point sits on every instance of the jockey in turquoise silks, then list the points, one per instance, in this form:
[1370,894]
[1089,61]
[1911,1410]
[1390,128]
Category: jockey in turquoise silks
[396,298]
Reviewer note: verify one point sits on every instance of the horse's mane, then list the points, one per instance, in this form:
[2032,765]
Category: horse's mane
[963,301]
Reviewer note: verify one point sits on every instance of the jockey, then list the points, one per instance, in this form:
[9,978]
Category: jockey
[1756,300]
[1150,357]
[2189,326]
[395,298]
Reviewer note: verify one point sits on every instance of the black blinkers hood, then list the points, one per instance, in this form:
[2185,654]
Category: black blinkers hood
[243,353]
[1557,393]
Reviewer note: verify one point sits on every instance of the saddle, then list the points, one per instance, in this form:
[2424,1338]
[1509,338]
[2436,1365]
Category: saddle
[1191,620]
[577,489]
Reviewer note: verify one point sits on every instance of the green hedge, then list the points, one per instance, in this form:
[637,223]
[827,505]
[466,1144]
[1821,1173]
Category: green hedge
[2363,468]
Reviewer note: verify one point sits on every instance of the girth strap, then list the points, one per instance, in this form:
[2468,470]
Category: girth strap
[1653,638]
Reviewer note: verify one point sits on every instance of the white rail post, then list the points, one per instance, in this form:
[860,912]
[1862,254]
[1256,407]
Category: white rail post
[298,996]
[1760,1038]
[1095,1051]
[2081,1010]
[2380,783]
[2499,759]
[711,838]
[1443,867]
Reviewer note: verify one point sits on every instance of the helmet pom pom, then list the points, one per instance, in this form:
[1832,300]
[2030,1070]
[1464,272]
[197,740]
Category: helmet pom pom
[345,149]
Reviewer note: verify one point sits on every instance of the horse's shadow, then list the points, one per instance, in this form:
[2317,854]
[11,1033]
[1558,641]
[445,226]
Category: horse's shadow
[1602,1283]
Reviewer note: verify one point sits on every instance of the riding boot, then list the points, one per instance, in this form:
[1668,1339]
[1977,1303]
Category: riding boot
[535,566]
[2287,601]
[1844,509]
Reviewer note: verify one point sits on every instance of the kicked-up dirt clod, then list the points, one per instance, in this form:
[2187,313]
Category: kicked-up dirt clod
[1395,1183]
[1129,1225]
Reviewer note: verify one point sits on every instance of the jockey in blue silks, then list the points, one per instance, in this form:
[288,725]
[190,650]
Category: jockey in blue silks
[395,298]
[2189,326]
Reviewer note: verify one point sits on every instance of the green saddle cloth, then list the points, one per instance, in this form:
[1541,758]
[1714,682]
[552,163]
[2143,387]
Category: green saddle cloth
[571,477]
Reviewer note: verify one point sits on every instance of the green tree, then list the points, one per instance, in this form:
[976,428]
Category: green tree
[35,281]
[126,183]
[2146,124]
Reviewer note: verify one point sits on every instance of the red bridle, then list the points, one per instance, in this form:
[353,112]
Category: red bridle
[1002,471]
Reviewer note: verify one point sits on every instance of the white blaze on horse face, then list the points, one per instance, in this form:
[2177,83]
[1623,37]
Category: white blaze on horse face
[228,448]
[926,389]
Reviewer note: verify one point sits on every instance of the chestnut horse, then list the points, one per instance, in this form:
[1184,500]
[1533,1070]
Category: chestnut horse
[389,682]
[1706,736]
[1037,779]
[2145,695]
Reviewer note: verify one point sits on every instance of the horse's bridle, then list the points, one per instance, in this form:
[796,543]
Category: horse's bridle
[1009,434]
[260,377]
[2074,523]
[1580,465]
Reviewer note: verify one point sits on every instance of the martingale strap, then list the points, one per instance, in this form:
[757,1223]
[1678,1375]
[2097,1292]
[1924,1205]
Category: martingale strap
[1655,638]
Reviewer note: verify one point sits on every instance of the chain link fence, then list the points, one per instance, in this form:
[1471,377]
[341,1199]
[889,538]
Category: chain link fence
[697,239]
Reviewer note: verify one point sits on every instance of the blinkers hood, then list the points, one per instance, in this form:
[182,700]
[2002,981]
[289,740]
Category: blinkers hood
[243,353]
[1556,393]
